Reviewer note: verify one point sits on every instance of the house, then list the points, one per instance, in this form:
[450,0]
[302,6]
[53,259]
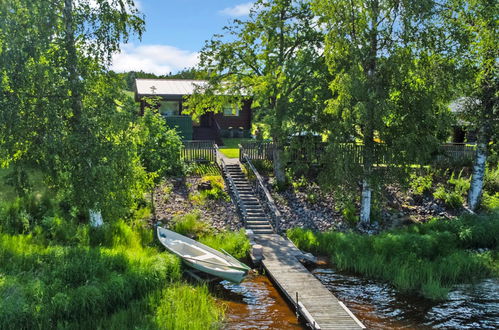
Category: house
[210,126]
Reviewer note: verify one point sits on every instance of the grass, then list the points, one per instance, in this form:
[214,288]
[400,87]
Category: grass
[427,259]
[231,146]
[234,243]
[66,275]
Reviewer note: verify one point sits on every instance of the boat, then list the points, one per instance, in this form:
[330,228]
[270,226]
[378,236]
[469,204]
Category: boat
[202,257]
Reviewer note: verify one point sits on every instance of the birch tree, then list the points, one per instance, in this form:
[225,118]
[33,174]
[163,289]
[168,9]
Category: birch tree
[274,57]
[474,26]
[62,111]
[381,55]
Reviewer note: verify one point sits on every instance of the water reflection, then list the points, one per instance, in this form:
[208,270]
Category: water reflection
[379,305]
[256,304]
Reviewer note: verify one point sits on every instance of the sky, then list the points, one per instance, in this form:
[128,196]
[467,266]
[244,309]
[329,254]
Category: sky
[176,31]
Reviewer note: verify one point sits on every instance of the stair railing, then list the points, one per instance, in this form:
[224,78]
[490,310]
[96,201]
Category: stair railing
[236,198]
[263,193]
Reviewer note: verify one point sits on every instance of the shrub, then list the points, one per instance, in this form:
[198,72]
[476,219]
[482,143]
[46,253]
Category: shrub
[455,196]
[420,184]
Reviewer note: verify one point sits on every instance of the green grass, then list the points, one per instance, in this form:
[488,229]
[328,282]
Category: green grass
[427,259]
[112,277]
[231,148]
[234,243]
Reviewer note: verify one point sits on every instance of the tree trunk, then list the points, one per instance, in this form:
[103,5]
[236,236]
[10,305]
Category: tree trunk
[487,101]
[277,156]
[365,203]
[368,120]
[95,218]
[278,137]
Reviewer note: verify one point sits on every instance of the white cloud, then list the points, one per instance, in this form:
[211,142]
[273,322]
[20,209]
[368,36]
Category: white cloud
[158,59]
[238,11]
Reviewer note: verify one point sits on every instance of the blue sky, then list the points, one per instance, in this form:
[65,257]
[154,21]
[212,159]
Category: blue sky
[175,32]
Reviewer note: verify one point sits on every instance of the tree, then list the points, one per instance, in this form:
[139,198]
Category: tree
[273,58]
[62,111]
[382,55]
[473,25]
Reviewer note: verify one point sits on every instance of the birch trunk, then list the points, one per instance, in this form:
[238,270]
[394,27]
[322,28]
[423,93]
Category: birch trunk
[365,203]
[478,174]
[95,218]
[368,130]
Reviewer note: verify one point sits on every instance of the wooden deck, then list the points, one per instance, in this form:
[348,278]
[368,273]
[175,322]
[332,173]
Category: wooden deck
[320,308]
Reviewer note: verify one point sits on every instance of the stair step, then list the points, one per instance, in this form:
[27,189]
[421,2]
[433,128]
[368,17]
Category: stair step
[257,223]
[264,219]
[262,232]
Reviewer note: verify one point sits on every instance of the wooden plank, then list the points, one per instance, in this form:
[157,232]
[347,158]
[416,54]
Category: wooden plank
[319,305]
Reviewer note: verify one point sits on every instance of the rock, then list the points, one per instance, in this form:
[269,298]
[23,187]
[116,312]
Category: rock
[205,185]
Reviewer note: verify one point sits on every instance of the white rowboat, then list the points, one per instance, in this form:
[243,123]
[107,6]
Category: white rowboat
[202,257]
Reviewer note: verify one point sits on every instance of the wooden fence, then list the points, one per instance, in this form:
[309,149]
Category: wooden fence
[314,153]
[257,150]
[199,151]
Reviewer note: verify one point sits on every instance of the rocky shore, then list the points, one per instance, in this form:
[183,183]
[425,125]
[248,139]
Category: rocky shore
[174,198]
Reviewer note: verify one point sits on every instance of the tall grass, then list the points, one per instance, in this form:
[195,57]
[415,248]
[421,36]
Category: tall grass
[106,278]
[43,286]
[427,259]
[234,243]
[179,306]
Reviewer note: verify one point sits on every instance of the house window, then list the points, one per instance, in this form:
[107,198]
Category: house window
[169,108]
[230,110]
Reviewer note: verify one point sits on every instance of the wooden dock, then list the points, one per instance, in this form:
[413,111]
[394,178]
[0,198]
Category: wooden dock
[320,308]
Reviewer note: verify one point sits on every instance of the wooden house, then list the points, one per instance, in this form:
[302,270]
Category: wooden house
[210,126]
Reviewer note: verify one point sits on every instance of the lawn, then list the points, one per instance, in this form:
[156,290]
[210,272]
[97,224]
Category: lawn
[231,148]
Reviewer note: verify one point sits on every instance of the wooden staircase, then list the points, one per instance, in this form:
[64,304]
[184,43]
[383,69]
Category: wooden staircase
[252,211]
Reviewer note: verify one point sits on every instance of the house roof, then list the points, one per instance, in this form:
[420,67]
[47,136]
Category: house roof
[168,88]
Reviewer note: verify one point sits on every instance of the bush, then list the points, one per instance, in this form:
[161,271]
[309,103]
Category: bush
[427,258]
[453,197]
[421,185]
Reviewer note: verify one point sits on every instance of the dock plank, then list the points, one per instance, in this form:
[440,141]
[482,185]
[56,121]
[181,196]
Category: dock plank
[281,264]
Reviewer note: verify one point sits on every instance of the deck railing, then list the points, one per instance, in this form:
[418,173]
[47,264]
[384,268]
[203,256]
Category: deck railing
[264,195]
[198,151]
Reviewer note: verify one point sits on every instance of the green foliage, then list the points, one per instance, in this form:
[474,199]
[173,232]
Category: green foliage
[190,225]
[50,285]
[216,192]
[159,149]
[186,307]
[427,259]
[275,55]
[491,181]
[421,185]
[453,197]
[389,85]
[490,201]
[235,243]
[349,213]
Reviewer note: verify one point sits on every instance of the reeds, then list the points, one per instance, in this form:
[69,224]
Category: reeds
[427,259]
